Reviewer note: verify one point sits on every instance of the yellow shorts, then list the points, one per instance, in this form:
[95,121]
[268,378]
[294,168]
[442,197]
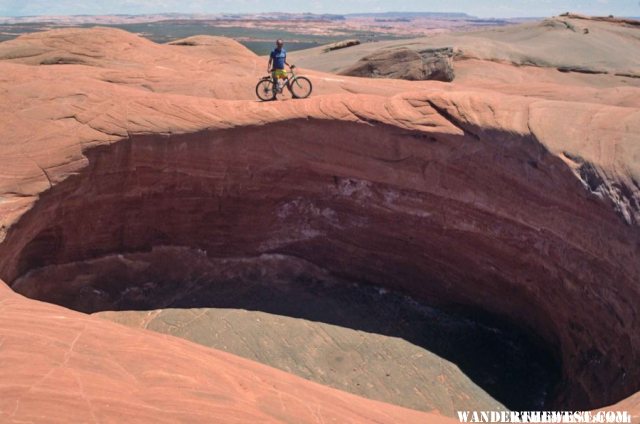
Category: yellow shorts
[279,73]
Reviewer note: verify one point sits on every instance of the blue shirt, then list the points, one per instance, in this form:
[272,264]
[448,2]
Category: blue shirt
[279,58]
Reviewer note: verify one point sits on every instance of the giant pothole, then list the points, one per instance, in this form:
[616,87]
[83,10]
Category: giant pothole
[286,312]
[527,277]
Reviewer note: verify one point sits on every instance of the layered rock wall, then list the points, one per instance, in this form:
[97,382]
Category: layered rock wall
[494,223]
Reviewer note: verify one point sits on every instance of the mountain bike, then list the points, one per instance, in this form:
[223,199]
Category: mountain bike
[300,87]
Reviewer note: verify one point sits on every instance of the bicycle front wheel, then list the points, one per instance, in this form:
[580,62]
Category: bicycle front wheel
[300,87]
[265,90]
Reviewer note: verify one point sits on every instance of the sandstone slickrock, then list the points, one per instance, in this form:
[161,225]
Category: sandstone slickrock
[558,42]
[62,366]
[341,45]
[404,63]
[611,19]
[526,206]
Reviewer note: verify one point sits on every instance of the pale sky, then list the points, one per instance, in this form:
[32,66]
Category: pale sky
[481,8]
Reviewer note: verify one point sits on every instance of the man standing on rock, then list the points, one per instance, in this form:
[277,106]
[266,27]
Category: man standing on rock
[277,62]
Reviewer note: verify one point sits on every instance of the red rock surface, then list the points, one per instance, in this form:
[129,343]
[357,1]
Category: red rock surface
[63,366]
[577,46]
[525,204]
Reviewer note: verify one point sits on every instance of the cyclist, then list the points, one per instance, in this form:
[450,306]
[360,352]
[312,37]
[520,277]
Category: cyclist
[277,62]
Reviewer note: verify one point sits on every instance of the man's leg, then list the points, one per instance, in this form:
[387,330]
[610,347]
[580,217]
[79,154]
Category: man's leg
[277,74]
[274,76]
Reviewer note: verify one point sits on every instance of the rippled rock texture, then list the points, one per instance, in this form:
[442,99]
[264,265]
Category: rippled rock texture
[404,63]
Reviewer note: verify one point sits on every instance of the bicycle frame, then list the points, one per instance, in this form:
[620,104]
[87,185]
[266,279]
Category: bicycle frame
[291,76]
[268,87]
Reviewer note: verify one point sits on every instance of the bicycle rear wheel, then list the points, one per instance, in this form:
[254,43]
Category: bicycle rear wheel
[265,90]
[300,87]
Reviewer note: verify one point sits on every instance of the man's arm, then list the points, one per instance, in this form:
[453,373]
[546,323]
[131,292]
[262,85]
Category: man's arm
[269,64]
